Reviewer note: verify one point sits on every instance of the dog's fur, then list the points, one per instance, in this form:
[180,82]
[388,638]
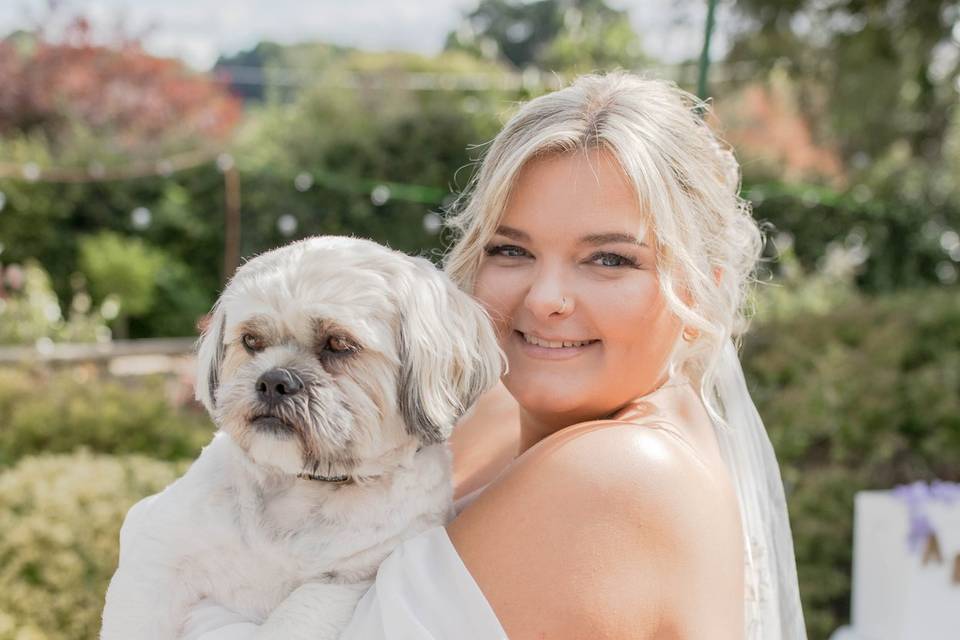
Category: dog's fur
[389,354]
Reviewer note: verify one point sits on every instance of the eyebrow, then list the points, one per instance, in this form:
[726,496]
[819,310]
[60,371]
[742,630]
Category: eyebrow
[594,239]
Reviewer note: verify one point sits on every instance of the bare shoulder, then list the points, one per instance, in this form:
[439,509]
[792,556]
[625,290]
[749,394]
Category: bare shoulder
[600,528]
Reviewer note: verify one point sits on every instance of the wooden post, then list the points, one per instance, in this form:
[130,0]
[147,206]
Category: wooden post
[231,251]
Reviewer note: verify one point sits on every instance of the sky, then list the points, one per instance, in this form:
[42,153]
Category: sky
[200,30]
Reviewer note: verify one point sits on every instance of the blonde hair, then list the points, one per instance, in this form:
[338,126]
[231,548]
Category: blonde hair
[687,182]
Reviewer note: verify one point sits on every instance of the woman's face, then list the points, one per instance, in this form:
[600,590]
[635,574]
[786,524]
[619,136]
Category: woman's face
[573,229]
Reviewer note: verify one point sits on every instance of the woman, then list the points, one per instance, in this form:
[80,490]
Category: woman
[639,497]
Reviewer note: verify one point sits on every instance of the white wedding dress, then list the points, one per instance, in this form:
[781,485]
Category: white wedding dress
[424,592]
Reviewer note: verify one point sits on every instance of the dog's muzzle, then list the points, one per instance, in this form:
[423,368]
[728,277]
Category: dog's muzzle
[275,388]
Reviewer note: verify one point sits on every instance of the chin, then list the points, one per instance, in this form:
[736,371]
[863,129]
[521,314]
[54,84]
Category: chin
[547,397]
[281,454]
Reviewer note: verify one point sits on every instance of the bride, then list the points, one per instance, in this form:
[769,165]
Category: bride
[605,236]
[639,496]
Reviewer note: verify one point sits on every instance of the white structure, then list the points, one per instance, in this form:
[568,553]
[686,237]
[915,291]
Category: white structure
[901,593]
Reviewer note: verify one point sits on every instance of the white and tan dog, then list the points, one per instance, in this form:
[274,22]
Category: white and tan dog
[334,369]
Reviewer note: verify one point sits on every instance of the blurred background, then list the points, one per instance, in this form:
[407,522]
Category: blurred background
[146,147]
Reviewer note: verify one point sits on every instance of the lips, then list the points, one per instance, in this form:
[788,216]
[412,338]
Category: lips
[270,424]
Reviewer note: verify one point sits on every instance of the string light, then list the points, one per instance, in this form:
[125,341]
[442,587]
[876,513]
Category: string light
[432,223]
[140,218]
[97,172]
[379,192]
[303,182]
[380,195]
[287,225]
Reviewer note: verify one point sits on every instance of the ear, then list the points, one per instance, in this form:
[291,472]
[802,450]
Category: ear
[448,353]
[210,351]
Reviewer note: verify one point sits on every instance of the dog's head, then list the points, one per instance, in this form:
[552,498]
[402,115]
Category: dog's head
[332,351]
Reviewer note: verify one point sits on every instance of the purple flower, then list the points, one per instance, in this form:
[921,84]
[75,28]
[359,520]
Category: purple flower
[917,496]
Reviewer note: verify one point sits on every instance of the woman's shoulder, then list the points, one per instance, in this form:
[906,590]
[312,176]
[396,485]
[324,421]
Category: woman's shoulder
[587,529]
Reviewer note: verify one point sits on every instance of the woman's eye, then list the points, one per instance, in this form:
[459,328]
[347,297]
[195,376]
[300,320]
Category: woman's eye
[506,250]
[339,345]
[252,343]
[612,260]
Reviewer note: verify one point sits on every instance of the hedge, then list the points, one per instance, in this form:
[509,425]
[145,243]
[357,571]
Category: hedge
[60,518]
[57,412]
[865,397]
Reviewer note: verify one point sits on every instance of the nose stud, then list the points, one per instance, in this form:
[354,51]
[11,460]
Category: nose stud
[563,305]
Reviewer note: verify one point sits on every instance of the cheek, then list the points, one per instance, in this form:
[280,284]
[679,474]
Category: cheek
[642,322]
[233,359]
[498,292]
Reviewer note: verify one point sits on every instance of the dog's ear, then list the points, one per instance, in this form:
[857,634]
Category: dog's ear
[210,351]
[448,352]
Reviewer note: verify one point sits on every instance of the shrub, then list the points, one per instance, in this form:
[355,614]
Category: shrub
[30,310]
[57,412]
[60,518]
[866,396]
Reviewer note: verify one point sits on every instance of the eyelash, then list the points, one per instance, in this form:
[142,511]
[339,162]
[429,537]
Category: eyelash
[498,250]
[623,261]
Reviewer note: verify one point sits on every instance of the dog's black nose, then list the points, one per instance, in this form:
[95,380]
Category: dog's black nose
[277,384]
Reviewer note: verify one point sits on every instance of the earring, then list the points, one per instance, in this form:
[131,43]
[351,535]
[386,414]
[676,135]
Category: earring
[690,334]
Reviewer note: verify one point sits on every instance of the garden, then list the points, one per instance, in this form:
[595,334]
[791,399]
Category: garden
[131,186]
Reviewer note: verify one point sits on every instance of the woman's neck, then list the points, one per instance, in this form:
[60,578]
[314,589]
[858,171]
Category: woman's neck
[535,427]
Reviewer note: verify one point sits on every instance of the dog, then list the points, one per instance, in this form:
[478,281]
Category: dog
[334,369]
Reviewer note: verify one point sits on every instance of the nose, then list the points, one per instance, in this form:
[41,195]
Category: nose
[278,384]
[546,295]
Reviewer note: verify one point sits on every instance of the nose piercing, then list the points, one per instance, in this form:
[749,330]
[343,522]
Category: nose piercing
[563,305]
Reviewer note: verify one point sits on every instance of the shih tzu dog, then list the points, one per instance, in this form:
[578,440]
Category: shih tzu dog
[334,369]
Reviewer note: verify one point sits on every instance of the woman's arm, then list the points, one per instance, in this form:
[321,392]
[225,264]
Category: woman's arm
[606,532]
[485,441]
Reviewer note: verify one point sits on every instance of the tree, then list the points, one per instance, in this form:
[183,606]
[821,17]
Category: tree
[271,70]
[311,166]
[76,94]
[881,71]
[89,107]
[555,35]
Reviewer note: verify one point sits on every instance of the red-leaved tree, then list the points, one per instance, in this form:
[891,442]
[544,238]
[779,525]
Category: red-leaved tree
[130,102]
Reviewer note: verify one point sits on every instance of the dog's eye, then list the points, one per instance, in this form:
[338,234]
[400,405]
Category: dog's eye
[252,343]
[339,345]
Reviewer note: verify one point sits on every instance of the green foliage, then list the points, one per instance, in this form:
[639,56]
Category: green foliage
[864,397]
[575,36]
[900,243]
[797,293]
[59,534]
[318,159]
[121,267]
[54,412]
[179,300]
[878,64]
[31,311]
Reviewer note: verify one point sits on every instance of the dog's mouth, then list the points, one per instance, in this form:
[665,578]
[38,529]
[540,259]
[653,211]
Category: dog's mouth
[271,424]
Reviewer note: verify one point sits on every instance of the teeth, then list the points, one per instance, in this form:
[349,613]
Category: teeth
[552,344]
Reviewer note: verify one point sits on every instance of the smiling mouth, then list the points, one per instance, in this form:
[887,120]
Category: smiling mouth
[554,344]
